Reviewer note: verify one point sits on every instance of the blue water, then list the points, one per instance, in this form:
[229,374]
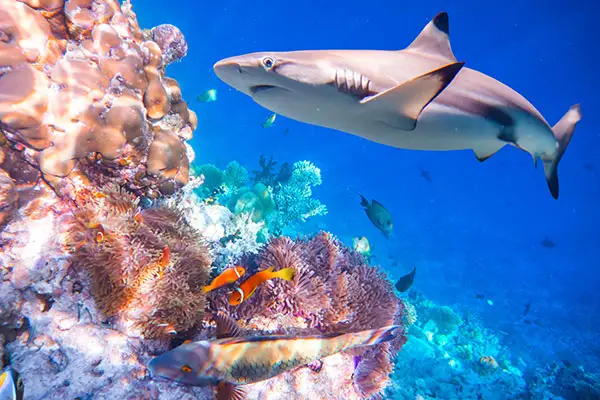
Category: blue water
[478,227]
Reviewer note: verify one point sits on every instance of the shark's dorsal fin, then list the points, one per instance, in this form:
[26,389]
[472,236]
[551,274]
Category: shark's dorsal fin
[434,39]
[400,106]
[227,327]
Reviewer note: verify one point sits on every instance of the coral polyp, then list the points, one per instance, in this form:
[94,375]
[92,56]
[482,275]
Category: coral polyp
[147,267]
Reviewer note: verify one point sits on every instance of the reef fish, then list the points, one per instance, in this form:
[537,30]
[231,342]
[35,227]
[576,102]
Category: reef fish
[361,245]
[270,121]
[406,281]
[231,361]
[226,277]
[379,216]
[208,97]
[11,385]
[418,98]
[248,287]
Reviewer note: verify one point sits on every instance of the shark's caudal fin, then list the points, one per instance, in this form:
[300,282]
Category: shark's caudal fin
[563,131]
[434,39]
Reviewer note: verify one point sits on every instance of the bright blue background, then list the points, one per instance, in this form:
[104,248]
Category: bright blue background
[477,227]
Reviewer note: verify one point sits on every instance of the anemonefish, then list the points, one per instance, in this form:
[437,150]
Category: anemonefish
[226,277]
[248,287]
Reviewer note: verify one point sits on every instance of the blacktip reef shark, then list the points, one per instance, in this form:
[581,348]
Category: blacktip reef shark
[418,98]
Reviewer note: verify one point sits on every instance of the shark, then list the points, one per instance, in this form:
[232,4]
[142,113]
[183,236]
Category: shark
[417,98]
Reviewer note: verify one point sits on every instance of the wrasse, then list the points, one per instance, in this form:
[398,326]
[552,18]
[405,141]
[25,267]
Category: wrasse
[11,385]
[230,361]
[226,277]
[248,287]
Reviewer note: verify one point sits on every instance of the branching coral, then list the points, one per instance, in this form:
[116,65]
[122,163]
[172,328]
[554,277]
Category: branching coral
[147,267]
[333,290]
[294,199]
[81,90]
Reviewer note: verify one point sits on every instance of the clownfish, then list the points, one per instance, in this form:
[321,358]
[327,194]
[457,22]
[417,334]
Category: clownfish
[248,287]
[226,277]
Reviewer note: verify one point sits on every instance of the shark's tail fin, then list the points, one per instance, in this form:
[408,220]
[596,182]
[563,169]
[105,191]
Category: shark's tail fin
[563,131]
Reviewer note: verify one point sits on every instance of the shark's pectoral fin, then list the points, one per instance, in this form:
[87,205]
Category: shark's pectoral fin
[401,105]
[486,150]
[434,39]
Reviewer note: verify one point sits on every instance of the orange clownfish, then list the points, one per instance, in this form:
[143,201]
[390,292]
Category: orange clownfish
[248,287]
[226,277]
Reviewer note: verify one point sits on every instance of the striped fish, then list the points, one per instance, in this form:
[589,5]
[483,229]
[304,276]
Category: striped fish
[230,361]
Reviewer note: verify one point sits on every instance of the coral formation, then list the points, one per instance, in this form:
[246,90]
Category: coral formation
[147,266]
[81,91]
[333,290]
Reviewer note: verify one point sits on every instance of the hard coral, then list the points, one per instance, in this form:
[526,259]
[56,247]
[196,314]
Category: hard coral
[147,267]
[171,42]
[333,290]
[81,90]
[8,197]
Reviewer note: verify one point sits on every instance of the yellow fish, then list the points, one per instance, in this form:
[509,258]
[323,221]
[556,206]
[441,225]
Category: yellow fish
[270,121]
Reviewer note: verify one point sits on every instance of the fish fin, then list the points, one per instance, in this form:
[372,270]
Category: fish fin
[375,202]
[485,151]
[229,391]
[563,131]
[364,202]
[227,327]
[434,38]
[400,106]
[270,269]
[286,273]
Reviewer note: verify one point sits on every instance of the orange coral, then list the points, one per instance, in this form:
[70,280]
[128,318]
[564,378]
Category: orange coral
[82,91]
[147,267]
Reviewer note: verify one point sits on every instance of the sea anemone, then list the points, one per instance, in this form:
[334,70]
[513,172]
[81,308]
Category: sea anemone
[333,290]
[146,266]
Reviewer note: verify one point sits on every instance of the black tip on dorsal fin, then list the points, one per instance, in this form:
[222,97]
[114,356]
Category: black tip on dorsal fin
[442,22]
[434,38]
[227,327]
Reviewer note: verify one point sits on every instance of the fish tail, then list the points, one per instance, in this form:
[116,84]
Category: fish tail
[364,202]
[207,288]
[563,131]
[286,273]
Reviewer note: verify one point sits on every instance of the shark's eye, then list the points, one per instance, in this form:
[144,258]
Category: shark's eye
[268,63]
[186,368]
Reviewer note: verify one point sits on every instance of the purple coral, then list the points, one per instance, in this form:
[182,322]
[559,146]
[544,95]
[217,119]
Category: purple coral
[171,41]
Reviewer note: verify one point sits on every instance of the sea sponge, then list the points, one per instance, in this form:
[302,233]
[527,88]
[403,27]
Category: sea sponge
[82,91]
[333,290]
[147,267]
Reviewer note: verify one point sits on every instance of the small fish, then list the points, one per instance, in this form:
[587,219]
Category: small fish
[230,361]
[361,245]
[490,302]
[479,296]
[209,96]
[547,243]
[286,131]
[138,217]
[226,277]
[165,258]
[425,175]
[270,121]
[99,237]
[588,167]
[11,385]
[527,308]
[379,216]
[406,281]
[248,287]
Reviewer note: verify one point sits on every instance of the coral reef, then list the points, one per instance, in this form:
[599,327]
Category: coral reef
[81,91]
[147,267]
[333,290]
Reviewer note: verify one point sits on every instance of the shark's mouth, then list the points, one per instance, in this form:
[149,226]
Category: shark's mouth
[261,88]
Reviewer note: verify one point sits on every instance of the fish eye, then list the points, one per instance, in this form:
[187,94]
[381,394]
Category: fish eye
[268,63]
[186,368]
